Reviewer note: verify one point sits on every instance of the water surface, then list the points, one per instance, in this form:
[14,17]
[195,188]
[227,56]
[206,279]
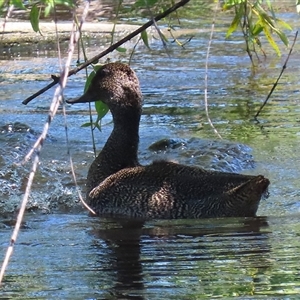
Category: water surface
[62,253]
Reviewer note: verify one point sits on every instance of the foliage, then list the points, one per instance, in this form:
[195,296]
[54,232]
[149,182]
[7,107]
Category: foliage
[254,19]
[36,8]
[101,107]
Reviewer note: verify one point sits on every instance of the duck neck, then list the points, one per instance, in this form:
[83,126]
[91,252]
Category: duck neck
[120,150]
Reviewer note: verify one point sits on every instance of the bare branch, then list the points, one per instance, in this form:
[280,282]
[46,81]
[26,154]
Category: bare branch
[113,47]
[206,76]
[57,99]
[276,82]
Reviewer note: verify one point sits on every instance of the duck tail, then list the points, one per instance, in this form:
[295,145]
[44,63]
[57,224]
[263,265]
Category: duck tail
[247,195]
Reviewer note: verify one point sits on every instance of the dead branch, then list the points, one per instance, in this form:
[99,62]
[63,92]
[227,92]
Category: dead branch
[206,75]
[276,82]
[57,99]
[111,48]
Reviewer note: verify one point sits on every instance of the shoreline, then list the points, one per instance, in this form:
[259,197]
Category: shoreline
[18,32]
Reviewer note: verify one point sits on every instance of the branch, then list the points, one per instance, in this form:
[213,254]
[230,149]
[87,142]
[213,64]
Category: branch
[276,82]
[57,99]
[111,48]
[206,73]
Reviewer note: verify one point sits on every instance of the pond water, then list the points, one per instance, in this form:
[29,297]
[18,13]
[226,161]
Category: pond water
[61,253]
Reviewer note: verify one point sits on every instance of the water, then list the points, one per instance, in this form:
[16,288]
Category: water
[68,255]
[77,257]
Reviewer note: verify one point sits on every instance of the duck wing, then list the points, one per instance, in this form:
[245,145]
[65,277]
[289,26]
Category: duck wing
[169,190]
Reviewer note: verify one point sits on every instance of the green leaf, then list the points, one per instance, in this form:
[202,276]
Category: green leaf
[48,9]
[283,37]
[231,3]
[163,37]
[91,76]
[143,3]
[17,3]
[86,124]
[121,49]
[101,109]
[271,40]
[267,20]
[67,3]
[98,125]
[284,24]
[235,22]
[144,36]
[34,18]
[257,29]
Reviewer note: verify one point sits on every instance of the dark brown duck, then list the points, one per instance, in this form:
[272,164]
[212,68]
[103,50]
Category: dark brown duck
[117,185]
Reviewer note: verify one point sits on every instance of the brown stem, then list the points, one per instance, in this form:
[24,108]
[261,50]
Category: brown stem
[112,47]
[276,82]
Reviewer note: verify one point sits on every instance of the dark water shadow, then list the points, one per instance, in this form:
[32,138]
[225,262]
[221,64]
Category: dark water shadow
[190,241]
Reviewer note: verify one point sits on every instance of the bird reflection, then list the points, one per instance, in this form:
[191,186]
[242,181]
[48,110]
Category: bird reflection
[139,252]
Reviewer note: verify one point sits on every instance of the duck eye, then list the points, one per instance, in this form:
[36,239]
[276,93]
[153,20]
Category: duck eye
[105,71]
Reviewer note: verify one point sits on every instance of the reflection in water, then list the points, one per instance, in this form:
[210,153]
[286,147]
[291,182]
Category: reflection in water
[167,258]
[125,259]
[78,257]
[59,257]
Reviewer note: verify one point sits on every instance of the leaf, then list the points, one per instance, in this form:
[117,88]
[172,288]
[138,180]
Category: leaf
[231,3]
[163,37]
[257,29]
[283,37]
[48,9]
[143,3]
[98,125]
[121,49]
[271,40]
[101,109]
[235,22]
[91,76]
[144,36]
[17,3]
[86,124]
[34,18]
[284,24]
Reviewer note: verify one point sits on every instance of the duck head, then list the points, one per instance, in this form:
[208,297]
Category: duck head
[116,85]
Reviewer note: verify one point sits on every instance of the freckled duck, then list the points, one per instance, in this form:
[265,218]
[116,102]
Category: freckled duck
[117,185]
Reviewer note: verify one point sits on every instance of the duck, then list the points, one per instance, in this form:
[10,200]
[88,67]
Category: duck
[119,186]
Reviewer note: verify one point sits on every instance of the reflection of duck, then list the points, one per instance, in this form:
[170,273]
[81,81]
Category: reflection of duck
[118,186]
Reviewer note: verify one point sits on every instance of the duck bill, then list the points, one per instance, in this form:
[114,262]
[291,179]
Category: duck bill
[86,97]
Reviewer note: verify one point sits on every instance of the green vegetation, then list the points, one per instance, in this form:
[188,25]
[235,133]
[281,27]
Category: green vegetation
[256,19]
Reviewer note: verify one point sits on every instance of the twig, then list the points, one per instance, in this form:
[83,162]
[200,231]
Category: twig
[57,99]
[206,76]
[276,82]
[113,47]
[9,11]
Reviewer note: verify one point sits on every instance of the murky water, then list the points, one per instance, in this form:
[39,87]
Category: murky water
[68,255]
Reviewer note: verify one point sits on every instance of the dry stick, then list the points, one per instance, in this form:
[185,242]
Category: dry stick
[276,82]
[111,48]
[57,98]
[78,32]
[206,76]
[9,11]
